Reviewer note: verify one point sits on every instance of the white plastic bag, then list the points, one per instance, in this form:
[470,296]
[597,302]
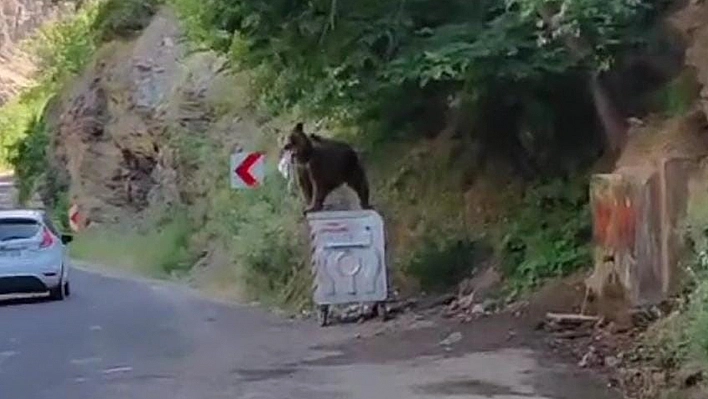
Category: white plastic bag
[285,165]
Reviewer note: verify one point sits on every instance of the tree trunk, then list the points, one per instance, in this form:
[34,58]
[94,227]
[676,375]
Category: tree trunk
[613,123]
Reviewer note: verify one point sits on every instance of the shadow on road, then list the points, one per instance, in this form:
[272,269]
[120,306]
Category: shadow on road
[15,301]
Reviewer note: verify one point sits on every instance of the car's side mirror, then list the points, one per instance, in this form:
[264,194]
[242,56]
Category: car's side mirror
[66,238]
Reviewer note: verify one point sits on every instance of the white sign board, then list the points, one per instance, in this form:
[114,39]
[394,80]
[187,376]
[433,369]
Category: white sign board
[247,169]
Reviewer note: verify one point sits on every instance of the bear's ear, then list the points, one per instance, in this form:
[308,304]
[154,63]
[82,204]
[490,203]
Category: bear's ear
[300,127]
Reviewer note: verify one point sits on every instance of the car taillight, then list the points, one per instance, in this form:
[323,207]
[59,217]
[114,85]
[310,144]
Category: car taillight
[47,239]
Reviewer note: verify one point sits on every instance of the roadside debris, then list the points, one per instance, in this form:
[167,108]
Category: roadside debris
[571,318]
[452,339]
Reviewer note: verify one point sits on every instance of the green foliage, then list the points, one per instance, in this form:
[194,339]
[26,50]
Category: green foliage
[60,211]
[30,158]
[599,28]
[258,232]
[265,242]
[440,266]
[123,18]
[550,234]
[698,322]
[62,50]
[65,47]
[357,59]
[160,251]
[276,268]
[680,340]
[677,96]
[15,118]
[695,318]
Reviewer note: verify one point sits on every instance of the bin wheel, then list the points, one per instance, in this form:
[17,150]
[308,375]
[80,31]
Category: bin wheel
[382,311]
[323,315]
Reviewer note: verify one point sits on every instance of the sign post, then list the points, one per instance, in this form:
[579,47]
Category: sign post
[247,169]
[74,218]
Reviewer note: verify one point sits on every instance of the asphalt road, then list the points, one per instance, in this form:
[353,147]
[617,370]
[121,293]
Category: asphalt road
[118,337]
[123,338]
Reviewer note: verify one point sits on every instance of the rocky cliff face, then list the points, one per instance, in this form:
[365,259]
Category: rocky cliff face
[18,20]
[110,130]
[692,22]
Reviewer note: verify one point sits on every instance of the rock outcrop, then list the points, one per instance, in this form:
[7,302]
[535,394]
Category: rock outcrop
[107,128]
[638,210]
[111,130]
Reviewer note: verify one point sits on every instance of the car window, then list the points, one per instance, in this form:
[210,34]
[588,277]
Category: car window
[18,228]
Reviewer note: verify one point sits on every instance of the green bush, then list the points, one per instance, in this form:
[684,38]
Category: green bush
[277,270]
[698,322]
[692,336]
[123,18]
[30,158]
[162,250]
[263,232]
[62,50]
[65,47]
[677,96]
[15,119]
[440,266]
[60,210]
[358,60]
[550,234]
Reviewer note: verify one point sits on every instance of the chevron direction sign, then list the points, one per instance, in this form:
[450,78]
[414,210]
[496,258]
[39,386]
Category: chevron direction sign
[247,169]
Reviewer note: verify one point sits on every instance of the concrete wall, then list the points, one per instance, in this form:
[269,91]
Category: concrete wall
[636,217]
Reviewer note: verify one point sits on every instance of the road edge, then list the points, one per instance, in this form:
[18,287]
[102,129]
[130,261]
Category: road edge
[106,271]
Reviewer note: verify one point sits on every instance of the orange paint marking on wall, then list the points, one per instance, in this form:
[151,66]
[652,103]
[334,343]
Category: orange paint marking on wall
[614,222]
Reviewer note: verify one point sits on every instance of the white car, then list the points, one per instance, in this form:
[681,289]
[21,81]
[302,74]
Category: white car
[33,255]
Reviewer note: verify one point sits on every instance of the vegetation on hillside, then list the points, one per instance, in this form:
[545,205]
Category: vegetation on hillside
[513,82]
[62,50]
[388,62]
[388,70]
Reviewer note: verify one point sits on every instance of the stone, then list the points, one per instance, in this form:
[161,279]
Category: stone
[489,305]
[690,376]
[465,302]
[612,361]
[588,358]
[478,309]
[435,301]
[452,339]
[481,284]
